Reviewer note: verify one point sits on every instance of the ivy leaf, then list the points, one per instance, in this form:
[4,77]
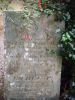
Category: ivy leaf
[68,36]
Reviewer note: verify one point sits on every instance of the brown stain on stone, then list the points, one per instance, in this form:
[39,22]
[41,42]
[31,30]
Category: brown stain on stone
[13,67]
[1,24]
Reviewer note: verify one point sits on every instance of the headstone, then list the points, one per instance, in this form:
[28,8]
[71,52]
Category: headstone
[32,61]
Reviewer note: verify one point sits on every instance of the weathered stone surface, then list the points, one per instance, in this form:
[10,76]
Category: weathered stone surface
[33,66]
[1,58]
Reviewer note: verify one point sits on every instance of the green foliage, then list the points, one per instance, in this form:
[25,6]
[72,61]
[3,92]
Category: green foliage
[50,7]
[68,44]
[68,51]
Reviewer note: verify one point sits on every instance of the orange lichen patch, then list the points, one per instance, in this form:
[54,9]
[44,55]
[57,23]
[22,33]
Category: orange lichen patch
[27,37]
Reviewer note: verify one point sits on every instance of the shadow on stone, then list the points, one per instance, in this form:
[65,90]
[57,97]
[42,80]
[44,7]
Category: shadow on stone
[37,98]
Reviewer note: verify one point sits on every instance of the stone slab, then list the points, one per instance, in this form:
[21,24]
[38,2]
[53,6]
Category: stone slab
[32,61]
